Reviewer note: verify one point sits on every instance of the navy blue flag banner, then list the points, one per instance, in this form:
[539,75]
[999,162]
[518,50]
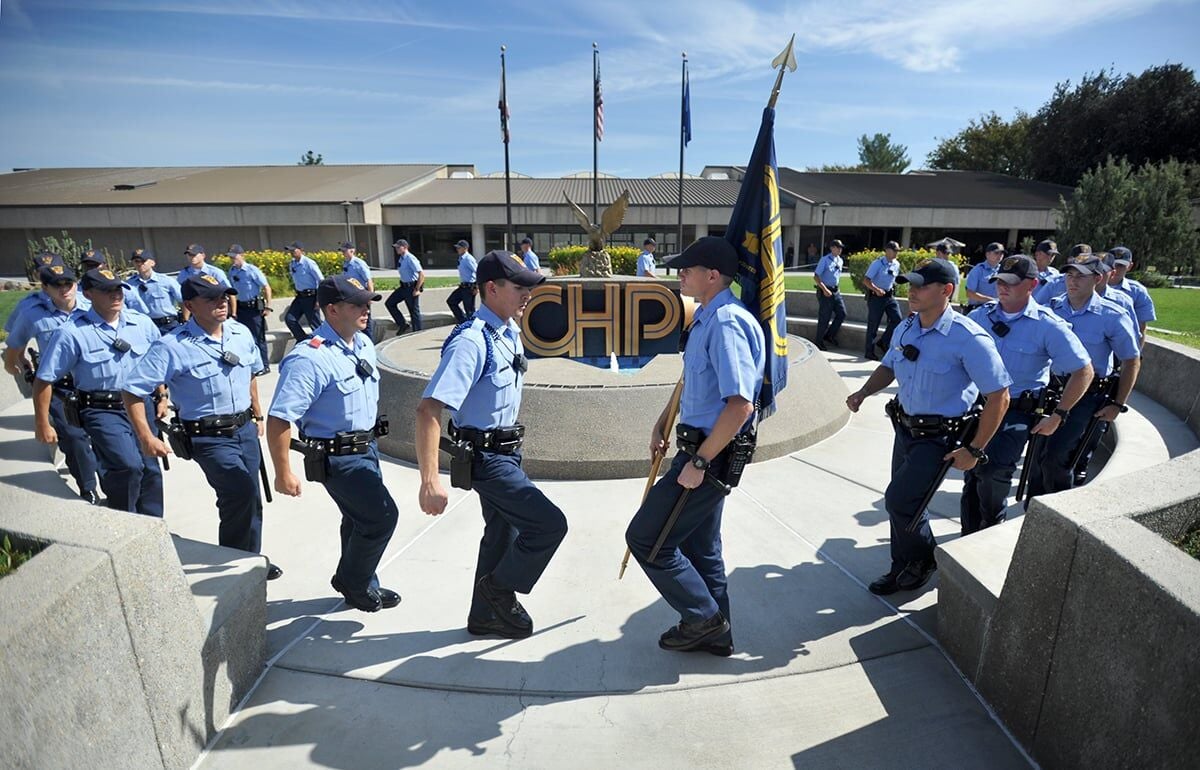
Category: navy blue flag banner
[687,108]
[756,232]
[504,115]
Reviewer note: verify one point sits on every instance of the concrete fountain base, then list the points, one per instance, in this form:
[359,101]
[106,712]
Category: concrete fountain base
[588,423]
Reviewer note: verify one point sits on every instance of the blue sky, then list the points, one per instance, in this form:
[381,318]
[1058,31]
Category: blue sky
[242,82]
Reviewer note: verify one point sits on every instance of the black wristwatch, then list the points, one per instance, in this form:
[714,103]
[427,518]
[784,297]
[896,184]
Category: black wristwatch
[699,463]
[1122,407]
[1063,413]
[979,455]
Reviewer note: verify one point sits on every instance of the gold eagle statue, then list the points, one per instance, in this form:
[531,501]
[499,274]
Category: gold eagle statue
[598,263]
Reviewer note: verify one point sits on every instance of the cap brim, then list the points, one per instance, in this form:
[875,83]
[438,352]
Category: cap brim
[1009,278]
[528,279]
[916,279]
[1084,269]
[1126,262]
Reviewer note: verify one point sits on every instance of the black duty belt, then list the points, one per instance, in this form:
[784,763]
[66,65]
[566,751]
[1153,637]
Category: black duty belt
[350,442]
[1102,384]
[466,285]
[924,425]
[306,292]
[407,284]
[501,440]
[249,302]
[1028,402]
[833,289]
[166,320]
[101,399]
[224,425]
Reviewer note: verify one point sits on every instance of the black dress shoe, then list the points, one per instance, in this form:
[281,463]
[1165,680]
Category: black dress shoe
[273,572]
[503,602]
[870,355]
[388,598]
[90,497]
[692,636]
[916,574]
[821,346]
[884,585]
[882,348]
[833,341]
[493,627]
[720,649]
[368,601]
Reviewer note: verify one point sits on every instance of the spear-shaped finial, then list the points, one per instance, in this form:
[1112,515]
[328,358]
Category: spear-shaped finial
[785,61]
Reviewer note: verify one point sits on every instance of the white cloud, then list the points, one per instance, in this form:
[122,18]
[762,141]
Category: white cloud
[359,11]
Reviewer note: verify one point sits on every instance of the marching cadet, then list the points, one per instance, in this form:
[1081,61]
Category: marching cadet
[943,361]
[412,281]
[253,300]
[158,294]
[479,380]
[38,319]
[529,255]
[645,260]
[98,349]
[1031,339]
[827,277]
[329,387]
[462,300]
[1143,305]
[354,267]
[722,372]
[1105,330]
[306,276]
[208,365]
[980,281]
[197,265]
[1044,253]
[880,282]
[1056,286]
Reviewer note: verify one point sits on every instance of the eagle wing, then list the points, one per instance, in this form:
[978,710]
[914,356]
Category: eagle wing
[584,221]
[614,215]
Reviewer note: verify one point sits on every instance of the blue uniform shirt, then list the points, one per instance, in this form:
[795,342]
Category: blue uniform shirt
[248,280]
[724,358]
[1047,274]
[83,348]
[466,268]
[306,276]
[883,272]
[158,294]
[189,362]
[36,298]
[356,268]
[134,301]
[1143,306]
[1052,288]
[481,394]
[645,263]
[1104,329]
[39,319]
[410,268]
[320,389]
[532,262]
[1120,299]
[208,269]
[1036,339]
[829,270]
[958,360]
[977,279]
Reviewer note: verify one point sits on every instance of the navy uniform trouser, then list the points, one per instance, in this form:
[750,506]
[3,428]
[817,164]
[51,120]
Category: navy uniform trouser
[463,296]
[986,487]
[302,307]
[76,447]
[231,466]
[521,527]
[130,480]
[411,301]
[829,308]
[689,570]
[915,466]
[168,326]
[369,516]
[1053,471]
[877,308]
[253,319]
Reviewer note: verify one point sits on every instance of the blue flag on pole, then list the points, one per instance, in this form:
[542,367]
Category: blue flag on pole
[687,108]
[757,234]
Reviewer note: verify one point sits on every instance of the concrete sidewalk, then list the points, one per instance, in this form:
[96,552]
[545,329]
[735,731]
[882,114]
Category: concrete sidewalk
[826,674]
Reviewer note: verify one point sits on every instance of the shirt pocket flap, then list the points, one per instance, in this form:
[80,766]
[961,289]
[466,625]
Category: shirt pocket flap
[350,384]
[205,369]
[503,377]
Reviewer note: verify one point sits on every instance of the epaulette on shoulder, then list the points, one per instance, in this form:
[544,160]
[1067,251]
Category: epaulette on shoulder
[315,341]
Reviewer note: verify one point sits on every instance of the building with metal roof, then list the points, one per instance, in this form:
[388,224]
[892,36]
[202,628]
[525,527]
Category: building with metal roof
[435,205]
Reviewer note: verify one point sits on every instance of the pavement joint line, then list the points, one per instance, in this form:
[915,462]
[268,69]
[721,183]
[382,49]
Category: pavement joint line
[933,642]
[929,509]
[272,663]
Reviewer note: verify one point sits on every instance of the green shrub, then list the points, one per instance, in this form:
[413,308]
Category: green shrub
[1152,279]
[857,264]
[565,259]
[274,264]
[13,556]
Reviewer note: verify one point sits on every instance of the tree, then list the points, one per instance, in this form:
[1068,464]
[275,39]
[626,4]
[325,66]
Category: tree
[308,159]
[878,153]
[987,144]
[1146,209]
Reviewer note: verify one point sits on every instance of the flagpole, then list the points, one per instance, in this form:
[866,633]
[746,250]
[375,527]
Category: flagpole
[682,133]
[508,233]
[595,135]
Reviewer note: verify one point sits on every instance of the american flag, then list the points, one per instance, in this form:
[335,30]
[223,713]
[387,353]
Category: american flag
[599,106]
[504,133]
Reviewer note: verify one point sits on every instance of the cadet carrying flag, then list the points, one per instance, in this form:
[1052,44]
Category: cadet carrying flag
[755,231]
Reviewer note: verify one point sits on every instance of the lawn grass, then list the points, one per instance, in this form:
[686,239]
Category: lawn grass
[8,300]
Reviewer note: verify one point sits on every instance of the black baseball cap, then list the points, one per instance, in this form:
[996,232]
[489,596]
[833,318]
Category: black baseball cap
[503,265]
[56,274]
[142,255]
[649,242]
[463,245]
[1093,264]
[931,271]
[205,286]
[400,242]
[995,246]
[101,278]
[892,245]
[94,259]
[295,245]
[1121,255]
[344,288]
[46,259]
[1015,269]
[1079,248]
[527,240]
[943,247]
[712,252]
[1046,247]
[194,249]
[346,245]
[837,242]
[236,249]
